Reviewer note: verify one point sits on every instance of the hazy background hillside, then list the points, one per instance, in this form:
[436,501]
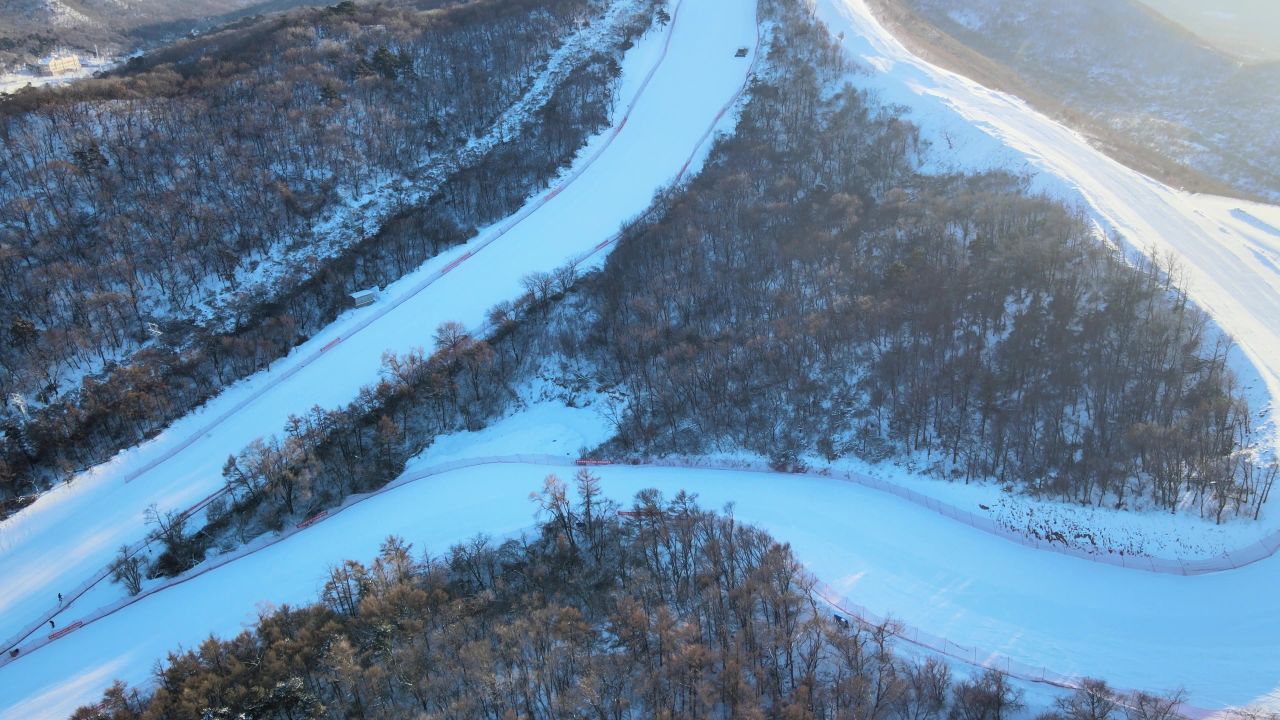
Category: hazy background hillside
[1247,28]
[32,28]
[1151,92]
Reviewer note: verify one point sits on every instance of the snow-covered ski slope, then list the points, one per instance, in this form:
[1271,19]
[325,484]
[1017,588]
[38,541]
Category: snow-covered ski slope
[1215,634]
[676,83]
[1227,251]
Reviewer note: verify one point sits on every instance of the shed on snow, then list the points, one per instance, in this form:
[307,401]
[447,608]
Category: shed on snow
[362,298]
[742,52]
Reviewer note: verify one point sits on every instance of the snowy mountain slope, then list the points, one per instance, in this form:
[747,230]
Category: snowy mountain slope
[345,223]
[1137,630]
[30,28]
[1226,262]
[70,535]
[363,190]
[1137,83]
[1243,27]
[1215,633]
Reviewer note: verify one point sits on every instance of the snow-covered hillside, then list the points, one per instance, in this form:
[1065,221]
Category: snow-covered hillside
[676,86]
[34,27]
[1215,634]
[1226,249]
[1011,605]
[1138,82]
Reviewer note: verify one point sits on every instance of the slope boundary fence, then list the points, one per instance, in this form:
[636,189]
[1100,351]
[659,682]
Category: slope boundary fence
[1229,560]
[967,654]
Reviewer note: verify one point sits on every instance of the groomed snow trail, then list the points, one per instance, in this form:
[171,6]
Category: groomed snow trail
[1068,615]
[687,72]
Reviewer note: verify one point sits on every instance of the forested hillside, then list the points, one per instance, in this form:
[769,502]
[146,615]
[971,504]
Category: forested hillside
[670,612]
[30,29]
[304,156]
[812,292]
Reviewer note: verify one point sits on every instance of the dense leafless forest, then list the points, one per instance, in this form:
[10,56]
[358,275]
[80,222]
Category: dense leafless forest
[139,282]
[812,292]
[669,612]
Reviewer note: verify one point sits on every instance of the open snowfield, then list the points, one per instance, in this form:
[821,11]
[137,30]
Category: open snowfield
[680,78]
[1216,634]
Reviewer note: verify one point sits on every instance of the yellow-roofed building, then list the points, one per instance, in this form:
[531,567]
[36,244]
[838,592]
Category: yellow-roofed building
[60,65]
